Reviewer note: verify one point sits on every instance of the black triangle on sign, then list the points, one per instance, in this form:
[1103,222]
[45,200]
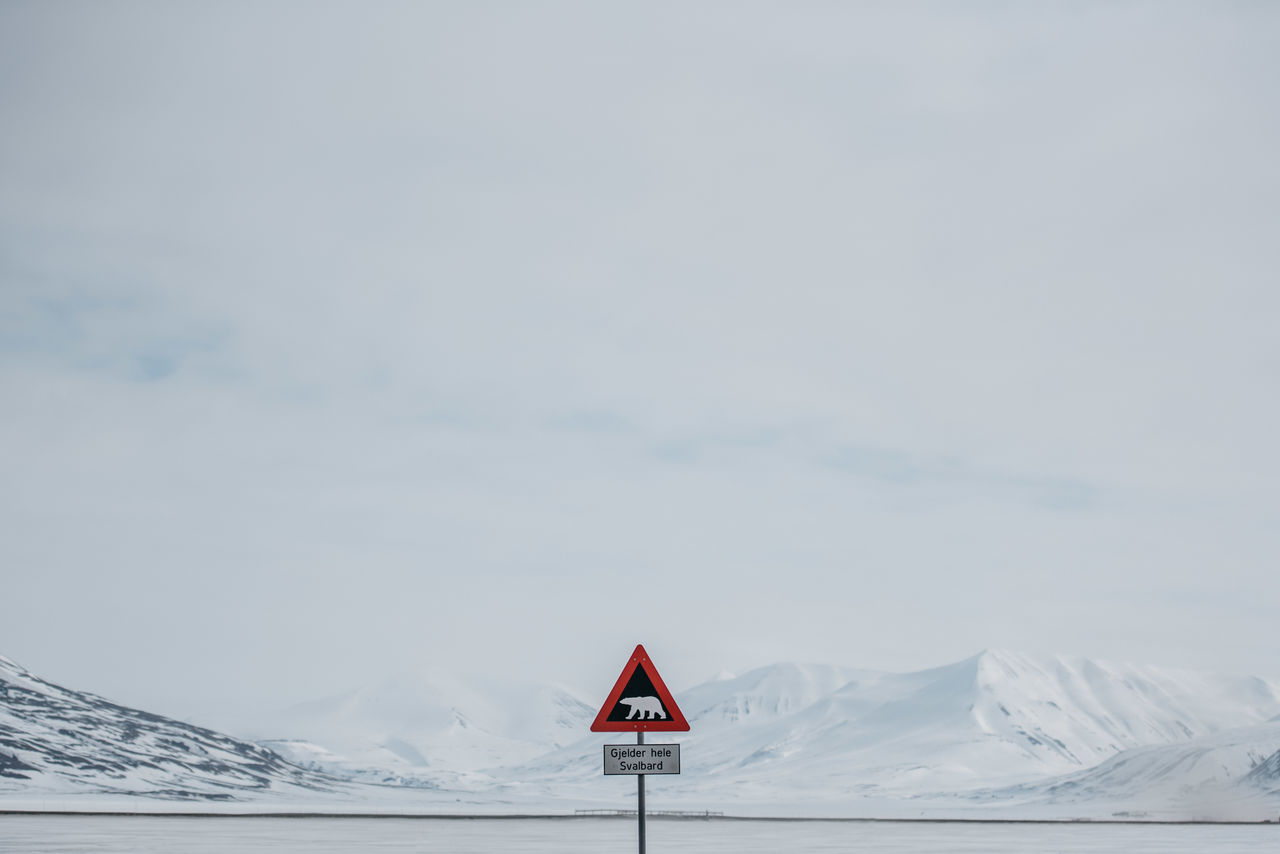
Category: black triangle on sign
[639,700]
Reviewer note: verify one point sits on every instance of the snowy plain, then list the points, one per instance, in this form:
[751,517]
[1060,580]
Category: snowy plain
[150,835]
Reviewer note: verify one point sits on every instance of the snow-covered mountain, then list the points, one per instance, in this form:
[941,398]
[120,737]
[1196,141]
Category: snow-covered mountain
[1043,735]
[995,718]
[431,728]
[58,740]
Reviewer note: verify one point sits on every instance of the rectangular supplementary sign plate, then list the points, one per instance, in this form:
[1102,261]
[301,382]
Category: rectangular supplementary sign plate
[642,759]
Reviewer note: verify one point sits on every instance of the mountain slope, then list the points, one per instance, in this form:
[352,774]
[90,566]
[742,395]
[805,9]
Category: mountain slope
[1196,776]
[58,740]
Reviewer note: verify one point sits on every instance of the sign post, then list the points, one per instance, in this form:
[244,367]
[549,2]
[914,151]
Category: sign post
[640,795]
[640,702]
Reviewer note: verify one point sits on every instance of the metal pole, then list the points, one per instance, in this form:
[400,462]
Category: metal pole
[640,794]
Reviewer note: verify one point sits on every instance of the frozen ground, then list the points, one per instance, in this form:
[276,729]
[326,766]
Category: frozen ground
[150,835]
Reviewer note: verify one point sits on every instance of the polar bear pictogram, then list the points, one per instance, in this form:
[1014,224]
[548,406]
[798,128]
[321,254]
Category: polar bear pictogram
[646,707]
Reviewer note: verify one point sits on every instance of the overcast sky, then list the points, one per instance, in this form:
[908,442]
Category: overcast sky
[340,339]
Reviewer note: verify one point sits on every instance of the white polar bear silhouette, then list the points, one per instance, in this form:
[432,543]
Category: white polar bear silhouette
[646,707]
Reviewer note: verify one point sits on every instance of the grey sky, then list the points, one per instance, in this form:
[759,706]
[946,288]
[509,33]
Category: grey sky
[341,337]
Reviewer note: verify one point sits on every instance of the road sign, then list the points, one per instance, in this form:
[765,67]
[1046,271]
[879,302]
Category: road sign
[640,701]
[642,759]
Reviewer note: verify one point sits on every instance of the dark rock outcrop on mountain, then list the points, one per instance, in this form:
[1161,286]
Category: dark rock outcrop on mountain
[1266,775]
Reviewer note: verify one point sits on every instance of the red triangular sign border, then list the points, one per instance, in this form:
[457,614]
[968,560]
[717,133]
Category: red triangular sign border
[677,723]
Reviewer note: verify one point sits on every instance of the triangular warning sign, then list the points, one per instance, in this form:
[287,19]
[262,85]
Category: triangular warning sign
[640,701]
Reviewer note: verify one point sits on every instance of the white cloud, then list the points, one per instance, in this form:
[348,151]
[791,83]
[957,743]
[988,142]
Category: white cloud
[865,333]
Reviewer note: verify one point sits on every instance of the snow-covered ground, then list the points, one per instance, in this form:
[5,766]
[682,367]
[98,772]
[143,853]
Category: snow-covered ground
[132,835]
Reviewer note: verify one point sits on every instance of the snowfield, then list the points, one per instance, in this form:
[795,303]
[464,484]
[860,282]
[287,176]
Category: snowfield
[132,835]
